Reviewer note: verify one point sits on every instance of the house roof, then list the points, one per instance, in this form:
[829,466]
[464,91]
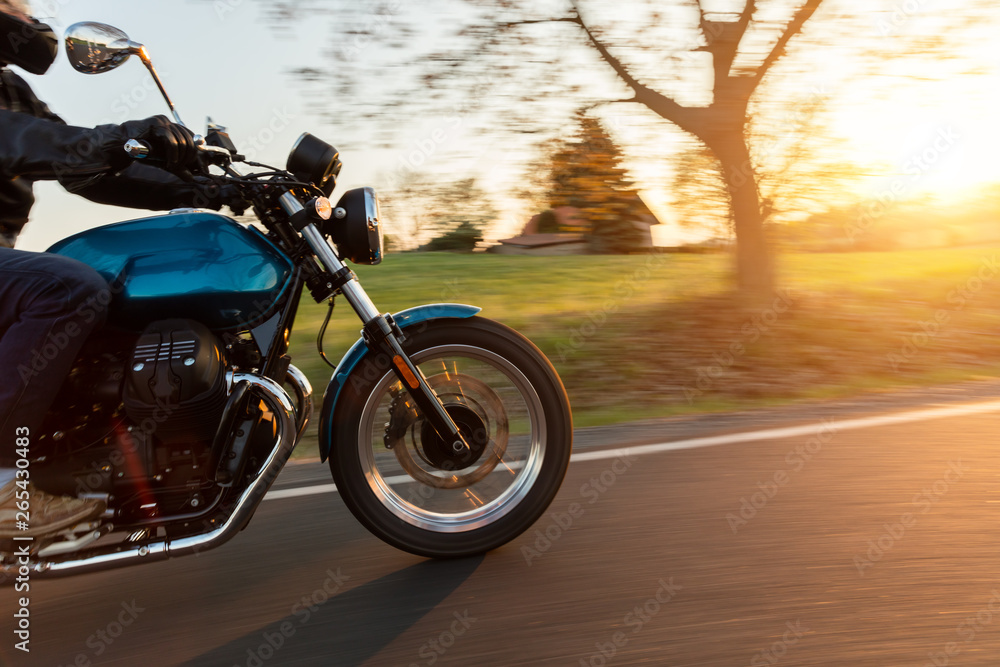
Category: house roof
[643,213]
[541,240]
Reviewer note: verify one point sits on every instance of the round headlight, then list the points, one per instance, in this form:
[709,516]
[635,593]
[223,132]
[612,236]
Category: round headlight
[356,226]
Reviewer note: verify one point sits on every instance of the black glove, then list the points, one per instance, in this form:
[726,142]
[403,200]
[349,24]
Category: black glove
[215,196]
[171,145]
[231,196]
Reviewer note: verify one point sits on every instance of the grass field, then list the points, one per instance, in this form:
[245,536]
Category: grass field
[656,335]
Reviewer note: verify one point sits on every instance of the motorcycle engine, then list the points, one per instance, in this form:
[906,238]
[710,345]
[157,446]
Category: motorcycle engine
[175,386]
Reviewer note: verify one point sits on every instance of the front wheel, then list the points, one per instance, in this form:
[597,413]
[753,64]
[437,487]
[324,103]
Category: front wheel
[408,487]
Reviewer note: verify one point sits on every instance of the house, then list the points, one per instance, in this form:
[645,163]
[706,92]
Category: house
[537,237]
[543,244]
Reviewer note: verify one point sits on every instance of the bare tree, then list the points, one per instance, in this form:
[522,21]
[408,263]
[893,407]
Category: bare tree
[506,43]
[722,125]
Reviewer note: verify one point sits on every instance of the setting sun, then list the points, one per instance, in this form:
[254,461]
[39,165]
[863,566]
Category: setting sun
[939,139]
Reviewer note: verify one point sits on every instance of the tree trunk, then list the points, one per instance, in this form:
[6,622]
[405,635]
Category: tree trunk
[754,267]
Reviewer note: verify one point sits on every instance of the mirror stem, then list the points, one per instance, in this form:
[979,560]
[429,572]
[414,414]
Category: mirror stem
[140,50]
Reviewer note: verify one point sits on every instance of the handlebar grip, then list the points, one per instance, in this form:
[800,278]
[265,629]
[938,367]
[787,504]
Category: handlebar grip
[137,150]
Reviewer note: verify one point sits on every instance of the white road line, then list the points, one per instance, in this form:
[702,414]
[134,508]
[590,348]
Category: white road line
[829,426]
[324,488]
[301,491]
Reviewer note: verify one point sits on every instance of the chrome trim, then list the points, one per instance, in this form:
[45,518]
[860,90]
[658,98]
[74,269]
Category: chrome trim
[120,555]
[322,248]
[140,50]
[199,143]
[353,292]
[388,489]
[374,215]
[359,300]
[372,212]
[95,48]
[303,396]
[137,150]
[298,141]
[290,203]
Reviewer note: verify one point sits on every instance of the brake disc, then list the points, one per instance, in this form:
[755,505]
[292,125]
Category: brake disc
[479,413]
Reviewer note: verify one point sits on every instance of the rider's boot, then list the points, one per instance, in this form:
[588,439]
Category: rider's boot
[45,514]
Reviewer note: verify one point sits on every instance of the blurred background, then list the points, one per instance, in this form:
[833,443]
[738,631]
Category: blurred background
[773,200]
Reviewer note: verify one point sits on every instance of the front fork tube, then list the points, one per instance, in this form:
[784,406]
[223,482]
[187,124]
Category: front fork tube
[380,335]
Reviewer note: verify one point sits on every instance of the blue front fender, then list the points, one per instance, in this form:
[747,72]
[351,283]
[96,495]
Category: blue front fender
[407,318]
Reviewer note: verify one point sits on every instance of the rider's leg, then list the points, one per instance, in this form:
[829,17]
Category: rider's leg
[49,305]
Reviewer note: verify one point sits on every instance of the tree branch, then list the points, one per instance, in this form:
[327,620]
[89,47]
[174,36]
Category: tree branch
[748,11]
[793,28]
[594,105]
[723,39]
[561,19]
[657,102]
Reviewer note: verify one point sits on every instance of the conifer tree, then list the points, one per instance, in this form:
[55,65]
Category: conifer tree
[586,172]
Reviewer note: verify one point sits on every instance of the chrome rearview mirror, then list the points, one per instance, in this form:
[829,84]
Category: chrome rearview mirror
[93,48]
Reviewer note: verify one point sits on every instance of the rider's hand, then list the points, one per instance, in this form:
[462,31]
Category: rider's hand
[171,145]
[230,195]
[215,196]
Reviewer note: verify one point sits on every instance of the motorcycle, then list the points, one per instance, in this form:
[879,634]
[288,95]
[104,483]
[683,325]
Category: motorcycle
[447,434]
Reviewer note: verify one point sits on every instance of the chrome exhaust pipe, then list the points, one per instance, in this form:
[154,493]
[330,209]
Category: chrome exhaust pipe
[290,425]
[303,396]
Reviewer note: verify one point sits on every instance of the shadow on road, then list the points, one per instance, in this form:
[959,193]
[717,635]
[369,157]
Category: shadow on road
[350,627]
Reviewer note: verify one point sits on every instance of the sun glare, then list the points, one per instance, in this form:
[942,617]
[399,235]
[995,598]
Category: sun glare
[929,127]
[927,143]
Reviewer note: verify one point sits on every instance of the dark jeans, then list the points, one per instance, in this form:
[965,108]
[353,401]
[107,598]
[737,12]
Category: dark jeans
[48,306]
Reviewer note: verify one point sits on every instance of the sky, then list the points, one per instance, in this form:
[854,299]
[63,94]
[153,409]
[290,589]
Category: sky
[894,119]
[932,121]
[217,58]
[223,58]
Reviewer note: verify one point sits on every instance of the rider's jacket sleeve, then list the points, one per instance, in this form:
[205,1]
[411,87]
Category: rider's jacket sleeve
[44,149]
[36,144]
[143,186]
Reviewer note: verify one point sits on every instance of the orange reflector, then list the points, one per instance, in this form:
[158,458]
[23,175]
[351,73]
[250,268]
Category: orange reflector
[411,379]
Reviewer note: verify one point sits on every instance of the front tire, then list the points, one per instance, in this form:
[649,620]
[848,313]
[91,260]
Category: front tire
[419,496]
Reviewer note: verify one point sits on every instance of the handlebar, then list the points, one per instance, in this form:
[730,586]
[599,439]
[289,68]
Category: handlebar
[140,150]
[137,150]
[199,142]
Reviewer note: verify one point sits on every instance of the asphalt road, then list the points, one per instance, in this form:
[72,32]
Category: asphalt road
[838,542]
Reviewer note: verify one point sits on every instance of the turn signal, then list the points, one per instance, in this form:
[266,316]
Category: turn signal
[323,208]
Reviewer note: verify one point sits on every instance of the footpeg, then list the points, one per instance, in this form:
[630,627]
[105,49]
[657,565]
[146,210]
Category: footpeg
[75,538]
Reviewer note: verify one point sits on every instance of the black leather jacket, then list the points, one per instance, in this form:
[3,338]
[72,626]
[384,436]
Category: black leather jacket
[35,144]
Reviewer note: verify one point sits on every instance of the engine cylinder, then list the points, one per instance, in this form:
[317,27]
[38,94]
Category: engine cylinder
[175,386]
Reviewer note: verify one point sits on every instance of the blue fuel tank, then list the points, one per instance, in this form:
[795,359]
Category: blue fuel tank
[196,265]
